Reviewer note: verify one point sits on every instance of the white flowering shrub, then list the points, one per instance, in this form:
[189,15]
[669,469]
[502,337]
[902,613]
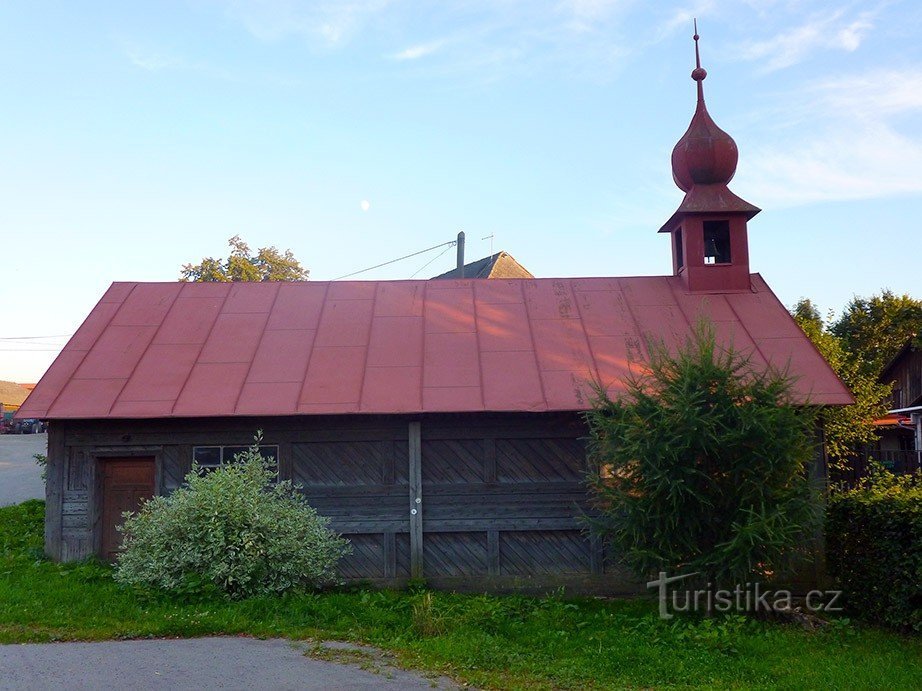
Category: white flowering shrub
[234,530]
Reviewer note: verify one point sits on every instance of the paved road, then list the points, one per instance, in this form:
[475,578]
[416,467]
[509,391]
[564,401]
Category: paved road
[20,477]
[199,663]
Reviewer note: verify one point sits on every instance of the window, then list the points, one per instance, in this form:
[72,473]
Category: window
[716,242]
[210,457]
[679,252]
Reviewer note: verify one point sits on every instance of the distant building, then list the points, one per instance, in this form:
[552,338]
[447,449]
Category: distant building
[900,432]
[499,265]
[12,396]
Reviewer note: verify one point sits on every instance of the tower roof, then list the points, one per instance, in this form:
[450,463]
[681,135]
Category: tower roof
[704,161]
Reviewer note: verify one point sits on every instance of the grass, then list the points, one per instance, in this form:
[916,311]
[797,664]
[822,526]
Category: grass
[487,641]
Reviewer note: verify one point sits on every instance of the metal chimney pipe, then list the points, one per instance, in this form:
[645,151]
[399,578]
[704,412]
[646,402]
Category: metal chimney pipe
[461,254]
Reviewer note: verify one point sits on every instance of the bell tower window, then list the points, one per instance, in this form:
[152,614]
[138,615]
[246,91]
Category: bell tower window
[716,242]
[679,251]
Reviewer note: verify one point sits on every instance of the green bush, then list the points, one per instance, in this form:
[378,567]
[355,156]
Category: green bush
[874,549]
[702,465]
[235,531]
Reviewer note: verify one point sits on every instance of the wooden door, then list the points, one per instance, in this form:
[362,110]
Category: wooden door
[127,483]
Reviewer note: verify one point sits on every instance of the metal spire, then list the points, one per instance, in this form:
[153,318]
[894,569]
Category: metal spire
[699,73]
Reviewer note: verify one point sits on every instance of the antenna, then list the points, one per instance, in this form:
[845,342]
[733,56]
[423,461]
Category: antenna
[490,238]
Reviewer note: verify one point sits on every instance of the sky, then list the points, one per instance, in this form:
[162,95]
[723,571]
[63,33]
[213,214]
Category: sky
[136,137]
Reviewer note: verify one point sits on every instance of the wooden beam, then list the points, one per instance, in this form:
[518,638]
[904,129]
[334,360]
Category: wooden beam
[416,501]
[54,490]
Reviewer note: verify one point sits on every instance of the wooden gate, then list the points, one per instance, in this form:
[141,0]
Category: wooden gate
[126,483]
[455,503]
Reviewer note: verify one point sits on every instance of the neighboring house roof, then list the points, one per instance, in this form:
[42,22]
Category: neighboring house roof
[214,349]
[499,265]
[12,394]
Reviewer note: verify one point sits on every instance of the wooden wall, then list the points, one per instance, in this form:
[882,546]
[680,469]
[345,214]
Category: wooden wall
[500,504]
[906,376]
[500,496]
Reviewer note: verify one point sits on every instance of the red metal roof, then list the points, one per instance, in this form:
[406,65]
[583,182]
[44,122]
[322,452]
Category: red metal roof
[212,349]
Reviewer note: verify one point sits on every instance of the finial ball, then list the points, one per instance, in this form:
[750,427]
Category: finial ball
[698,74]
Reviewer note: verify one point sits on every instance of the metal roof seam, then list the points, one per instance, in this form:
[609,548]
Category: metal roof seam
[678,304]
[642,341]
[146,348]
[371,324]
[87,351]
[262,335]
[594,363]
[812,345]
[531,336]
[310,354]
[752,338]
[483,402]
[422,374]
[201,348]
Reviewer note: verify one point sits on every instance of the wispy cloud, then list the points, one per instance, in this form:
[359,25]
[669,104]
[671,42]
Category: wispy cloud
[842,142]
[682,17]
[330,23]
[826,31]
[420,50]
[150,60]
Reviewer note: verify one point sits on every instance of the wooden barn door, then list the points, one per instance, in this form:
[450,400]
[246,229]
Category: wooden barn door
[504,502]
[126,484]
[453,502]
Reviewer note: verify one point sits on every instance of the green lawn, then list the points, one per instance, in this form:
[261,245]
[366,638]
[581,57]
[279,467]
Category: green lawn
[493,642]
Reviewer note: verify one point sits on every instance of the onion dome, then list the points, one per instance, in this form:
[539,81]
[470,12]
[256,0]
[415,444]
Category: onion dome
[705,155]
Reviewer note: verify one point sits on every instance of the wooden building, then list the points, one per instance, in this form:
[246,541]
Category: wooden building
[437,422]
[899,445]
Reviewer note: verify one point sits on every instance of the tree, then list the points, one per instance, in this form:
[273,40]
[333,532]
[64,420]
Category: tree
[874,329]
[702,465]
[847,428]
[268,264]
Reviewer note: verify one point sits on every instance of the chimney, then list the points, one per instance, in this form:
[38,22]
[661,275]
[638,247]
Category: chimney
[460,244]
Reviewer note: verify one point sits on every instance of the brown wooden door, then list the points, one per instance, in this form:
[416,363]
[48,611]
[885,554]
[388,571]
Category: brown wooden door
[127,483]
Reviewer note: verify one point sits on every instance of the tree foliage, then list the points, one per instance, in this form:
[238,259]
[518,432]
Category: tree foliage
[874,329]
[847,428]
[268,264]
[702,464]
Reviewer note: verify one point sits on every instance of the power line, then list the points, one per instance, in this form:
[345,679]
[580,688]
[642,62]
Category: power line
[32,338]
[450,243]
[431,260]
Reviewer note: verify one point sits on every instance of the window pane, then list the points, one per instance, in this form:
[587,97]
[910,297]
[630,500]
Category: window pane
[231,453]
[209,456]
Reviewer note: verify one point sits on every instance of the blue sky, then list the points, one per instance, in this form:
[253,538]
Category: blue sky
[135,137]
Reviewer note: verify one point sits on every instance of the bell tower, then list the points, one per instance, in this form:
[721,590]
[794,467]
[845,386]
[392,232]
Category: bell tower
[710,248]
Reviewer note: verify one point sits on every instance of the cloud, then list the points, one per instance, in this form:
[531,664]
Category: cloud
[151,61]
[842,141]
[330,23]
[682,17]
[829,31]
[419,51]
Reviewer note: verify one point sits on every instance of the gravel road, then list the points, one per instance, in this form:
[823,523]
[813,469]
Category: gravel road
[20,477]
[199,663]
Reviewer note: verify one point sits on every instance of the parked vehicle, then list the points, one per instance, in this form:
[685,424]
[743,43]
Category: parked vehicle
[30,426]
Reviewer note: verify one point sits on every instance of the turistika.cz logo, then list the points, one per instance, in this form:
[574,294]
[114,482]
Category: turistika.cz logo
[749,597]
